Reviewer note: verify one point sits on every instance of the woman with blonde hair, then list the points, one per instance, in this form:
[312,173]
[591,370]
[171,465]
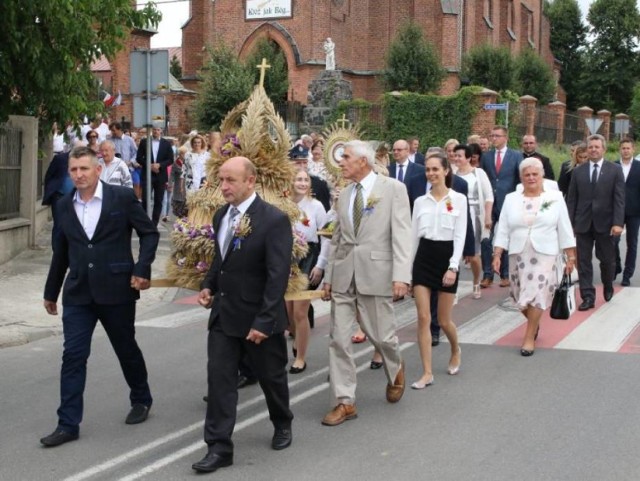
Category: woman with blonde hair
[449,145]
[579,155]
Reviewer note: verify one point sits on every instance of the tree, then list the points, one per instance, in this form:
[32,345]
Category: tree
[611,66]
[532,76]
[175,68]
[276,80]
[46,50]
[490,67]
[225,83]
[568,35]
[412,63]
[634,111]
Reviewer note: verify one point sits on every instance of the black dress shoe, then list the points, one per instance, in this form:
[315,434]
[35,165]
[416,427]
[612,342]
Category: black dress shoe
[205,399]
[297,370]
[608,292]
[625,282]
[586,305]
[435,340]
[138,414]
[526,352]
[58,437]
[211,462]
[281,439]
[244,381]
[376,364]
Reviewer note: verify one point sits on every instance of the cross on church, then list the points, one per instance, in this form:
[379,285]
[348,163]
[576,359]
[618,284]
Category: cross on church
[263,67]
[343,121]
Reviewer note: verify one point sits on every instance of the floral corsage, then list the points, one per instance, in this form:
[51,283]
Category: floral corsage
[546,204]
[449,205]
[371,204]
[240,233]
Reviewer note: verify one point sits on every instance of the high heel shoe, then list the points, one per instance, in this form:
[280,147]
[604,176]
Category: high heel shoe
[422,385]
[297,370]
[476,291]
[526,352]
[453,370]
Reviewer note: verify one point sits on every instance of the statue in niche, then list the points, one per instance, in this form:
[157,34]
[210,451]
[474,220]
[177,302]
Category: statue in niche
[330,52]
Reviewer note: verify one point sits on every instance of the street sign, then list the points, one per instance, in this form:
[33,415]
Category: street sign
[622,126]
[158,112]
[496,106]
[159,71]
[593,125]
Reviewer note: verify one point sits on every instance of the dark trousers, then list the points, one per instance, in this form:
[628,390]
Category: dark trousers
[486,255]
[632,224]
[605,253]
[78,323]
[157,192]
[268,361]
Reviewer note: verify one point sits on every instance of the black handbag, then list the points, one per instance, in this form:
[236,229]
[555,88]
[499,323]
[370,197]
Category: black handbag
[562,305]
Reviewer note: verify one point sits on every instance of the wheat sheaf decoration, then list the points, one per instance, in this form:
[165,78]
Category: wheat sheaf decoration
[253,130]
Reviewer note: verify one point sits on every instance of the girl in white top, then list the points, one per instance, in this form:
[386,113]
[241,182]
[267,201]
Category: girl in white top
[195,162]
[439,226]
[480,197]
[312,217]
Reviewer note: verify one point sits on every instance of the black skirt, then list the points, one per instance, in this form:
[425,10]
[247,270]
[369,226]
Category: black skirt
[431,263]
[311,259]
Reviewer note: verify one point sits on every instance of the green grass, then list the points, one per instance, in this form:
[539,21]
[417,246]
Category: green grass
[559,153]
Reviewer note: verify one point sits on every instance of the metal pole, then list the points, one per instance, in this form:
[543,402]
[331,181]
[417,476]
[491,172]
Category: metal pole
[149,148]
[507,120]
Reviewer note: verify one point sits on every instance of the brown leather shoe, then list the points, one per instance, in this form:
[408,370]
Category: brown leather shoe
[486,282]
[340,414]
[395,392]
[504,282]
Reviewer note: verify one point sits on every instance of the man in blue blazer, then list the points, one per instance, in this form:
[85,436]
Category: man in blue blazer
[631,172]
[501,164]
[161,159]
[401,168]
[93,252]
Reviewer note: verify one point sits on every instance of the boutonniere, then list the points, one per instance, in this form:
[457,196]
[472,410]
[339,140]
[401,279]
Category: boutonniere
[242,230]
[305,220]
[449,205]
[371,204]
[546,204]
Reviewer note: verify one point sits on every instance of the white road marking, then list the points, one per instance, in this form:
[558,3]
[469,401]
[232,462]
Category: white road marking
[608,327]
[490,326]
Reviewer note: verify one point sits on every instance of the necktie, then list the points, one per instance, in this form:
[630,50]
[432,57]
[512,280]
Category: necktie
[594,176]
[357,208]
[230,230]
[400,173]
[498,161]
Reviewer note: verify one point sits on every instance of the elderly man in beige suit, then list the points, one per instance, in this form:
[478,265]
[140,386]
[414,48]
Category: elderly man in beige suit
[369,267]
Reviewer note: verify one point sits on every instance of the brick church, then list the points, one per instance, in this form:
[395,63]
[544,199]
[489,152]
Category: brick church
[362,31]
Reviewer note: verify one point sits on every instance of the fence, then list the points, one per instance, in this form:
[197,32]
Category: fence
[545,127]
[573,128]
[10,170]
[292,114]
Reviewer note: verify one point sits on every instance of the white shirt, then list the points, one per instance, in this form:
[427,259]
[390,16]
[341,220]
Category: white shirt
[155,146]
[626,168]
[591,164]
[224,224]
[89,212]
[445,220]
[316,217]
[367,186]
[412,157]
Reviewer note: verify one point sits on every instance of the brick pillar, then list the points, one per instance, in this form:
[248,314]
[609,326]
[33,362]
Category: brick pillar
[528,111]
[623,117]
[484,120]
[605,116]
[585,113]
[559,108]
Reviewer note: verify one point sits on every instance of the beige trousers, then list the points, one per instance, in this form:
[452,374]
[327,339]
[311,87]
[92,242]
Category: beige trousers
[377,321]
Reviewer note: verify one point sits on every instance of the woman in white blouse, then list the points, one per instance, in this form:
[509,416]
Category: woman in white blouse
[114,170]
[312,217]
[439,226]
[480,203]
[534,227]
[195,163]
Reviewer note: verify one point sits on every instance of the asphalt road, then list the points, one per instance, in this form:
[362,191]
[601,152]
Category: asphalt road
[563,414]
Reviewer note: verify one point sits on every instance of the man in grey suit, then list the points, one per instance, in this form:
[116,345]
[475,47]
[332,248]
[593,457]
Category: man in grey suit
[369,266]
[501,165]
[596,203]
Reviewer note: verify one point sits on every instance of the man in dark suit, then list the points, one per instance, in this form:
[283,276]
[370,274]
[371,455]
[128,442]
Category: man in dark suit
[596,209]
[57,183]
[161,159]
[414,151]
[529,149]
[103,283]
[401,168]
[245,287]
[631,172]
[501,164]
